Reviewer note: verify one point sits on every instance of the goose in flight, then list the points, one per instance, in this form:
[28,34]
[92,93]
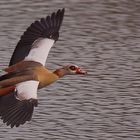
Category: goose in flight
[27,72]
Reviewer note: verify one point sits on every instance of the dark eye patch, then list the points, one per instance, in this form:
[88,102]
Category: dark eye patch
[72,67]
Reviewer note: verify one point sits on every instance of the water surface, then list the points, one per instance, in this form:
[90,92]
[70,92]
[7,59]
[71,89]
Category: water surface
[103,37]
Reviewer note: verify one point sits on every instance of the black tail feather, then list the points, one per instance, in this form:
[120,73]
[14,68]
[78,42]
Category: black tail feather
[14,112]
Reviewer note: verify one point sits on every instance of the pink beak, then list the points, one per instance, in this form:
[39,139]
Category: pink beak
[80,71]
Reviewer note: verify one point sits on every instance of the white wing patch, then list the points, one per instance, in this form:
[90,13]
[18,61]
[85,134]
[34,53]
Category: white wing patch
[40,50]
[27,90]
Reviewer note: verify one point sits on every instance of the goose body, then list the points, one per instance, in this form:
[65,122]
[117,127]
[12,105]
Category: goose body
[27,72]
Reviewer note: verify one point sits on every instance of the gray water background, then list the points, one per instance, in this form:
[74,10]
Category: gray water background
[101,36]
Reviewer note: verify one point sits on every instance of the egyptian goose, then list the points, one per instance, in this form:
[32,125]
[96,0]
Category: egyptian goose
[27,72]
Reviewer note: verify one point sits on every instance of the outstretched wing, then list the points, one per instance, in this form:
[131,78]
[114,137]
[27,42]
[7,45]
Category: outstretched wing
[14,112]
[17,107]
[37,40]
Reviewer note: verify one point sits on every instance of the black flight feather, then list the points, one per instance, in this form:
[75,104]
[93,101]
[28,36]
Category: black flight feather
[14,112]
[44,28]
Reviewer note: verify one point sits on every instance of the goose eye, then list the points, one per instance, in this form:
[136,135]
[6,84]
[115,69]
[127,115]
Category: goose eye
[72,67]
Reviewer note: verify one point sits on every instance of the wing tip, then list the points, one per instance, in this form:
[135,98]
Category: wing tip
[56,19]
[14,112]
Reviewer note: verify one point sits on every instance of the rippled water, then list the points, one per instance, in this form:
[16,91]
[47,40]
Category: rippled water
[103,37]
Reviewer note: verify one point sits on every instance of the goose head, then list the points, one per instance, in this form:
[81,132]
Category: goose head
[69,70]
